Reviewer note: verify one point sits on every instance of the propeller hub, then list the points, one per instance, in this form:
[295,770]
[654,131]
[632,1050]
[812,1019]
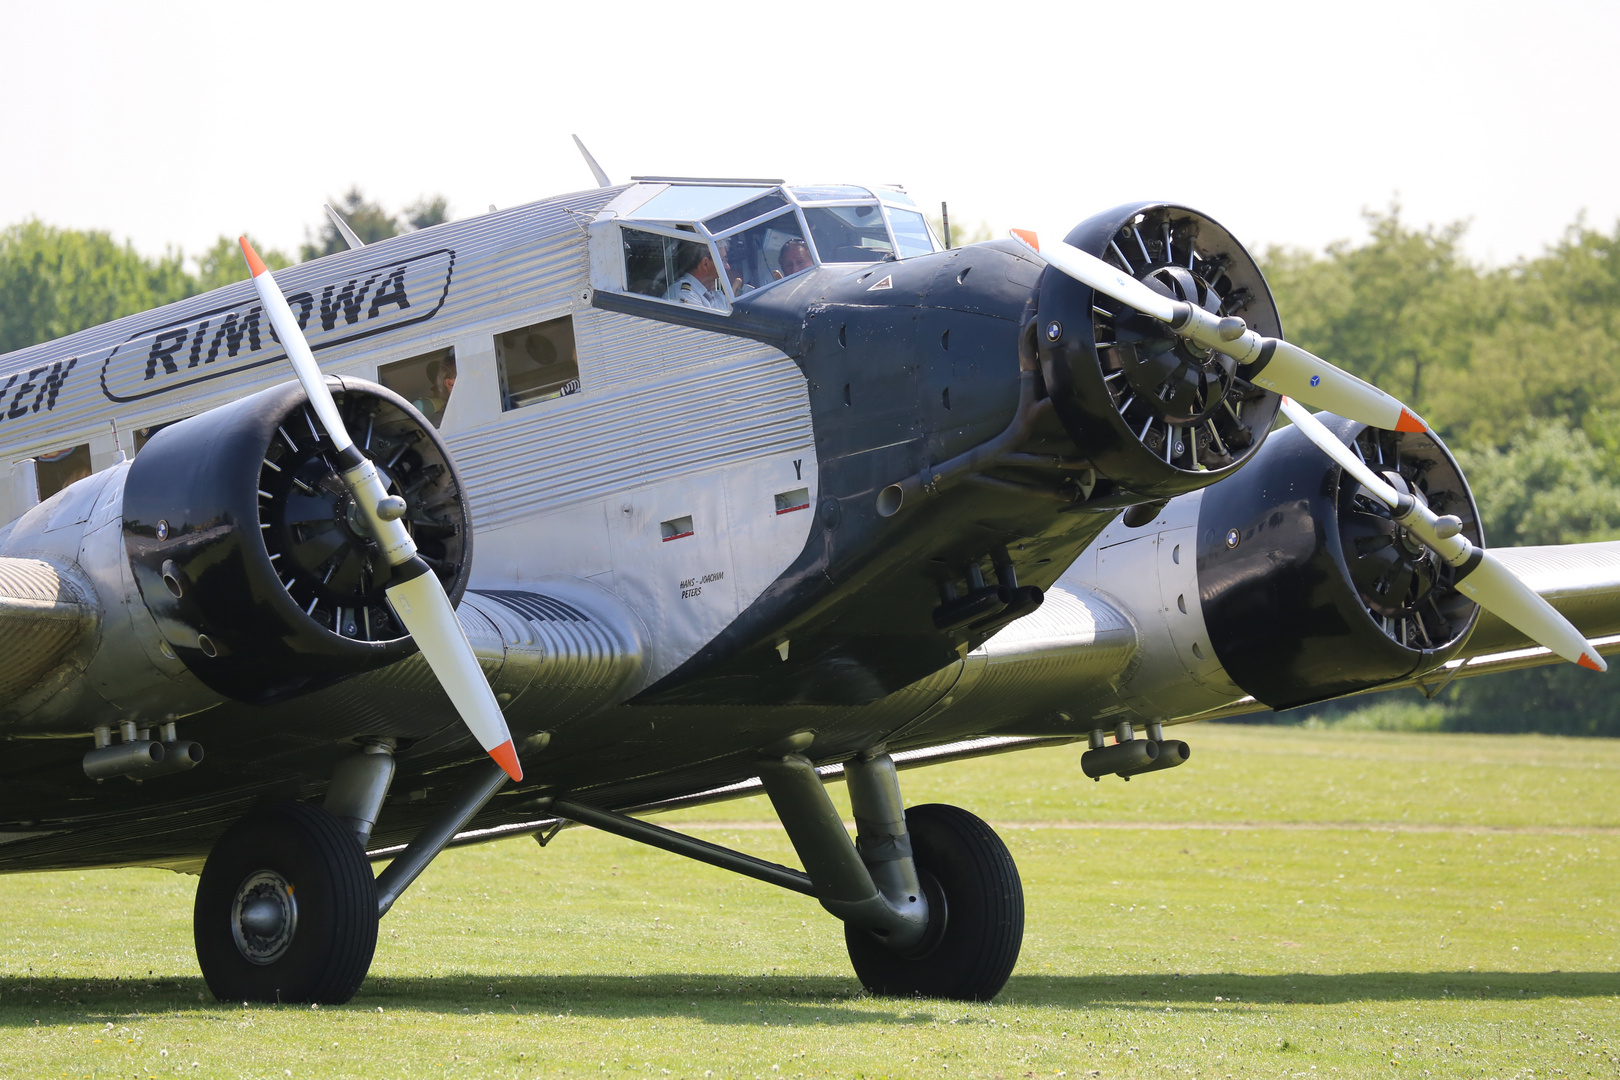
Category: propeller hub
[318,533]
[1407,588]
[1184,382]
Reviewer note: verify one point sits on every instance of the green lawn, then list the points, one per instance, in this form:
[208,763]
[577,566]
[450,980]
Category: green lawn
[1289,903]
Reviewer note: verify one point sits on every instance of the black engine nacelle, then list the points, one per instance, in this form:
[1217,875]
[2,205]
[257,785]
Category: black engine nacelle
[1155,414]
[251,556]
[1309,589]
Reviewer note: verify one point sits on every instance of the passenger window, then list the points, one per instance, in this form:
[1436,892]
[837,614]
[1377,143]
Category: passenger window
[143,435]
[537,363]
[768,252]
[672,269]
[845,234]
[424,381]
[56,471]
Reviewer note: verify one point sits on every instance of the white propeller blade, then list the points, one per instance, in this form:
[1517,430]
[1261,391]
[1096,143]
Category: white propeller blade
[417,597]
[1278,365]
[1482,578]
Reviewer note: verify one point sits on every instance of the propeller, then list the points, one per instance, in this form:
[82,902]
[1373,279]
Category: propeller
[417,597]
[1480,576]
[1271,363]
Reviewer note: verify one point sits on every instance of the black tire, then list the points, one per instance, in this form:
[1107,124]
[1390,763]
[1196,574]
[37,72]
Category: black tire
[322,951]
[973,885]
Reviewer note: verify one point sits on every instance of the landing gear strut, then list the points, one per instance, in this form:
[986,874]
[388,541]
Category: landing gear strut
[931,902]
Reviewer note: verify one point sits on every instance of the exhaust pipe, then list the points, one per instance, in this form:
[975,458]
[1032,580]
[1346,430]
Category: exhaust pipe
[179,755]
[1172,752]
[991,600]
[137,758]
[1134,755]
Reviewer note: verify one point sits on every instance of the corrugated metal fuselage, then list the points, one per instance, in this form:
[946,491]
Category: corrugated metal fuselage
[579,603]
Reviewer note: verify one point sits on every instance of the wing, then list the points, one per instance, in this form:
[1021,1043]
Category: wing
[1581,580]
[44,613]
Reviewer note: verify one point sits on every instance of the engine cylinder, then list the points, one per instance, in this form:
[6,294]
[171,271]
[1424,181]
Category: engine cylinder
[248,550]
[1309,589]
[1155,414]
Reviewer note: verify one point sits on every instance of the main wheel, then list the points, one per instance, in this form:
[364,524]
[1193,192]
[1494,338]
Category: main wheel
[976,914]
[286,909]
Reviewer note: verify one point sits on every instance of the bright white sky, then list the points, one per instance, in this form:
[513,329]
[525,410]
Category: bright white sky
[176,123]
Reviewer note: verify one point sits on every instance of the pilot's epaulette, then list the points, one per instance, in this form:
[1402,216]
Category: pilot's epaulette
[686,286]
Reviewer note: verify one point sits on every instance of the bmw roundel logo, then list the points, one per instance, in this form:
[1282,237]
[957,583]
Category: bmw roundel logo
[1232,538]
[1054,330]
[1316,380]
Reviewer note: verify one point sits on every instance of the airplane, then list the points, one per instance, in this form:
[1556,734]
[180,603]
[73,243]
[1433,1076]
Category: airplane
[683,489]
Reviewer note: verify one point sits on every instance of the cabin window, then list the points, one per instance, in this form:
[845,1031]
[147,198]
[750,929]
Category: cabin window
[143,435]
[424,381]
[672,269]
[56,471]
[845,234]
[537,363]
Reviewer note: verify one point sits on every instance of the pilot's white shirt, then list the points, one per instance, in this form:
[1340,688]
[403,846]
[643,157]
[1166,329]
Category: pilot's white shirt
[689,290]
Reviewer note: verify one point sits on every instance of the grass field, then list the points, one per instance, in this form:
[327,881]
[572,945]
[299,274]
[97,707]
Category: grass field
[1289,903]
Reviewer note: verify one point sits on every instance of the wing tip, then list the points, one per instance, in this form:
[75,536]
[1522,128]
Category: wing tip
[255,264]
[505,756]
[1410,421]
[1593,661]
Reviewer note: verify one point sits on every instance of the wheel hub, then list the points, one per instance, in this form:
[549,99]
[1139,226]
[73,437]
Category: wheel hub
[264,917]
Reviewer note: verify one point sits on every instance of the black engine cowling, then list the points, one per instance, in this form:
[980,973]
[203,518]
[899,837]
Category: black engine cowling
[1309,589]
[1154,414]
[249,553]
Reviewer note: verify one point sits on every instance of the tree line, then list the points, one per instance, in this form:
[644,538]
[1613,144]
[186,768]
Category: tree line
[54,281]
[1517,367]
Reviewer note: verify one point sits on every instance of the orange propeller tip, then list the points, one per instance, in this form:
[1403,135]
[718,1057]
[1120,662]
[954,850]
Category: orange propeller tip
[255,264]
[1593,661]
[505,756]
[1028,236]
[1409,422]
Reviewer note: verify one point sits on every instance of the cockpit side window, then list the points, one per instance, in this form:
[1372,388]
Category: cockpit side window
[849,234]
[767,252]
[671,269]
[910,233]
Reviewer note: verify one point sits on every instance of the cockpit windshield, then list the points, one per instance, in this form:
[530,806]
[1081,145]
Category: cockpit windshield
[849,233]
[708,243]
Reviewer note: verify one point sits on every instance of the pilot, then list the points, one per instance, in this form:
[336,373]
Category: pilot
[795,256]
[697,286]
